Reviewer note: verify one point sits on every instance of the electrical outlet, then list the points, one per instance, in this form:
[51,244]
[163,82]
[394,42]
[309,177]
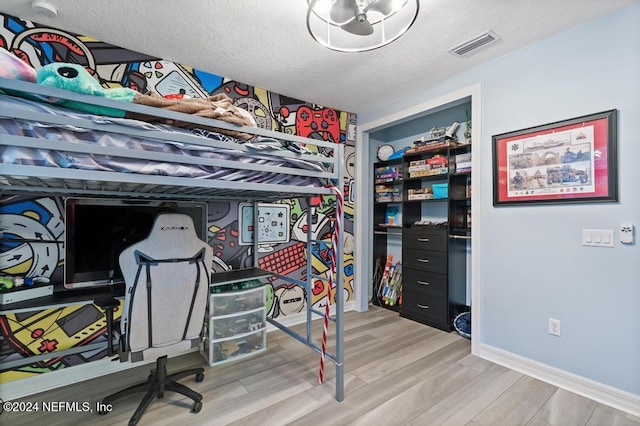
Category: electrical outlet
[554,327]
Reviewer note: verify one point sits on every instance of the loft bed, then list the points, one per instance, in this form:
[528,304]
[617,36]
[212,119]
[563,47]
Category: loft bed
[48,149]
[221,176]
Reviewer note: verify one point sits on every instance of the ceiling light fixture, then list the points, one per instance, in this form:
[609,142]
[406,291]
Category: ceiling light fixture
[359,25]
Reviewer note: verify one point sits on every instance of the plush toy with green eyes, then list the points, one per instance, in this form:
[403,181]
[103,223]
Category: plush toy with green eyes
[77,79]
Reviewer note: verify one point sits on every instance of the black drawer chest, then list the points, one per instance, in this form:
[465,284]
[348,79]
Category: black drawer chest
[434,279]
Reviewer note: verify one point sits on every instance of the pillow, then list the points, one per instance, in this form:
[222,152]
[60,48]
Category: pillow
[15,68]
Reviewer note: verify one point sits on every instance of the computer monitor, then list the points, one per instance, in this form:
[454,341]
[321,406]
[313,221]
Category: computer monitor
[98,229]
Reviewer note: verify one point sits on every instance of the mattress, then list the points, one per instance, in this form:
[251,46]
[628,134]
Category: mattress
[246,164]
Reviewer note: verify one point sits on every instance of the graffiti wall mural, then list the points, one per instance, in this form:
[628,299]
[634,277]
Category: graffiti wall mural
[33,226]
[33,245]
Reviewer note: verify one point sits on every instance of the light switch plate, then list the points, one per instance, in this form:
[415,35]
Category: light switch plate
[597,237]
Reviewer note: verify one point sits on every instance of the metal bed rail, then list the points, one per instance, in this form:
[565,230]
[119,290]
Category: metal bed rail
[338,318]
[46,179]
[55,93]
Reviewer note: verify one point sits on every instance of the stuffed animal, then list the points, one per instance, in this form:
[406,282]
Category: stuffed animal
[76,78]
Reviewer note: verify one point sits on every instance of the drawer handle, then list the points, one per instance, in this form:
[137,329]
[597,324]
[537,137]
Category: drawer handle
[423,260]
[423,306]
[423,282]
[425,240]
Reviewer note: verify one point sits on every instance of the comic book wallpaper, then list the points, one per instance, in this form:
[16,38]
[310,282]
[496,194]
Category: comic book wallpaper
[33,226]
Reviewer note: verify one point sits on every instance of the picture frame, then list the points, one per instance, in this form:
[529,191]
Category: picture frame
[569,161]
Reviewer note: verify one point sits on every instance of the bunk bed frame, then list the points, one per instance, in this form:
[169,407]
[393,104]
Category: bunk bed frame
[21,179]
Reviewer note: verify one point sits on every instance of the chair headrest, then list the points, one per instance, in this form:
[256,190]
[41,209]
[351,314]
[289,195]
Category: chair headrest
[168,224]
[172,235]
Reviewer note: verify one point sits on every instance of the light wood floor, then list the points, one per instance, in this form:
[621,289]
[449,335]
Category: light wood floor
[397,372]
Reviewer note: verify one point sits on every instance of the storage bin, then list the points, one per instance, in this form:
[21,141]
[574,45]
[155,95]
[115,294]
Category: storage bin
[440,190]
[235,302]
[232,325]
[235,348]
[236,326]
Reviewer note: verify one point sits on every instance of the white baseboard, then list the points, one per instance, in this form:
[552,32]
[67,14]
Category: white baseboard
[588,388]
[90,370]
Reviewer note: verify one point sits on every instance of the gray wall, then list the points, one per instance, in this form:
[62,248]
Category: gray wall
[533,265]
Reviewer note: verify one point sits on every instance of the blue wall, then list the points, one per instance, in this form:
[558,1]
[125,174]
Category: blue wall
[533,265]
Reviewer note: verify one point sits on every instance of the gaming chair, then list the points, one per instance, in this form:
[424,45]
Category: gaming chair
[167,277]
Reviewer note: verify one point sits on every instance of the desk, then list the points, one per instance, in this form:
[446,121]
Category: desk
[61,298]
[49,324]
[48,309]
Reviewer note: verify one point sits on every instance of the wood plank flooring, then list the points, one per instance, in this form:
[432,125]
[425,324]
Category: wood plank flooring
[397,372]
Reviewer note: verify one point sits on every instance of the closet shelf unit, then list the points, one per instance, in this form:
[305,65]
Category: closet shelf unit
[432,236]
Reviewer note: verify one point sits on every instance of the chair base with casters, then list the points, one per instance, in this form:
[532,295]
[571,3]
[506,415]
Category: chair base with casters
[157,383]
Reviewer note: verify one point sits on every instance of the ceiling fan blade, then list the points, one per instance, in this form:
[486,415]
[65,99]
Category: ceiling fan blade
[384,7]
[343,10]
[363,28]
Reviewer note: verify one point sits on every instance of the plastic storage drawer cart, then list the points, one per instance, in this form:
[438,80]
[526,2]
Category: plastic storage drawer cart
[235,324]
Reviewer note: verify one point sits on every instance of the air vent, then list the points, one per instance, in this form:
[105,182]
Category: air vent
[471,46]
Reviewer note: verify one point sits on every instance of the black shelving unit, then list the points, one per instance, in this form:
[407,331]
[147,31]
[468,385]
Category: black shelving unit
[434,252]
[459,194]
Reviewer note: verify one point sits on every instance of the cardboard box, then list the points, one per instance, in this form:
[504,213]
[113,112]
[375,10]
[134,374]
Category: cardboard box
[431,172]
[437,160]
[463,166]
[419,168]
[462,158]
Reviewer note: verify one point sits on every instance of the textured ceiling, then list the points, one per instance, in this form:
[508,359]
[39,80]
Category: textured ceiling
[265,43]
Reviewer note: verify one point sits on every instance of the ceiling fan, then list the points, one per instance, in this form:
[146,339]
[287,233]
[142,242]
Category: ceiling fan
[359,25]
[353,16]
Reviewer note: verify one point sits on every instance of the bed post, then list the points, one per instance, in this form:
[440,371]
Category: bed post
[309,284]
[339,250]
[256,234]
